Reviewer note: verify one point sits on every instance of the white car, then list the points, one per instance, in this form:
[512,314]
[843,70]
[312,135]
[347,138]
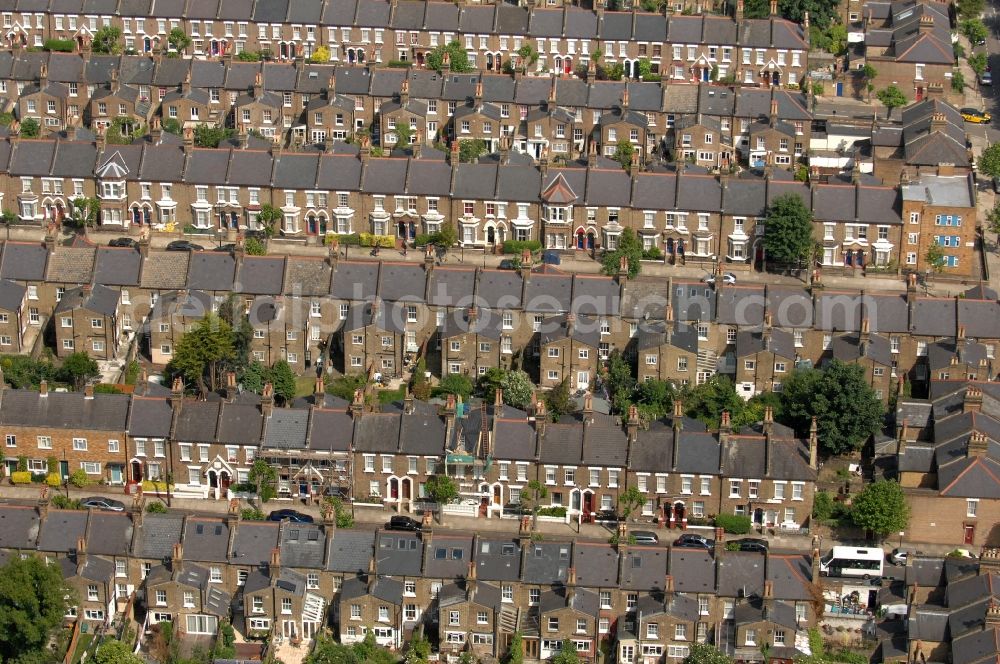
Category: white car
[728,278]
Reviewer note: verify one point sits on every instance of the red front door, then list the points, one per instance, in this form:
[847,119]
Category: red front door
[970,534]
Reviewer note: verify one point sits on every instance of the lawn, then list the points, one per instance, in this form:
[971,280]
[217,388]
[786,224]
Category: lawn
[388,396]
[82,644]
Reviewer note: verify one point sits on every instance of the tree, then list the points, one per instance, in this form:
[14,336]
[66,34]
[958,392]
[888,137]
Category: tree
[881,508]
[320,55]
[457,384]
[868,73]
[263,477]
[846,409]
[891,97]
[30,128]
[178,40]
[788,235]
[557,400]
[33,601]
[516,385]
[420,387]
[989,161]
[459,58]
[706,402]
[113,651]
[172,126]
[935,257]
[283,379]
[267,216]
[85,211]
[567,654]
[515,655]
[978,62]
[705,653]
[78,368]
[623,152]
[974,30]
[419,650]
[442,490]
[993,219]
[202,349]
[630,247]
[654,399]
[957,80]
[970,8]
[471,149]
[107,40]
[630,500]
[209,136]
[532,496]
[620,382]
[528,55]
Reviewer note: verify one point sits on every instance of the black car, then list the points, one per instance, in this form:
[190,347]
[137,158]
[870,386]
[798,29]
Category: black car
[184,245]
[403,523]
[100,503]
[691,541]
[291,515]
[751,544]
[607,516]
[517,509]
[123,242]
[507,264]
[551,257]
[229,248]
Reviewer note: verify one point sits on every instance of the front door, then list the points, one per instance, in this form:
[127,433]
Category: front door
[582,380]
[496,494]
[289,629]
[64,471]
[491,235]
[970,534]
[116,474]
[224,481]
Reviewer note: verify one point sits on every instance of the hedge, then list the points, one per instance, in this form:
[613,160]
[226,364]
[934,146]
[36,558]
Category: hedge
[518,246]
[372,240]
[53,479]
[60,45]
[21,477]
[734,524]
[552,511]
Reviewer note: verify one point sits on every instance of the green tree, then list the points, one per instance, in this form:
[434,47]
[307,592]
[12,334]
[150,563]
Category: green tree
[623,152]
[620,382]
[891,97]
[328,651]
[420,387]
[630,247]
[30,128]
[846,409]
[706,402]
[418,651]
[457,384]
[85,211]
[172,126]
[263,477]
[655,399]
[823,505]
[471,149]
[970,8]
[935,257]
[974,30]
[528,55]
[869,73]
[108,40]
[33,600]
[978,62]
[225,642]
[202,350]
[459,58]
[24,372]
[516,385]
[881,508]
[706,653]
[532,496]
[320,55]
[957,80]
[254,247]
[993,219]
[283,379]
[441,489]
[268,216]
[78,368]
[989,161]
[630,500]
[557,400]
[567,654]
[515,654]
[788,230]
[113,651]
[178,40]
[209,136]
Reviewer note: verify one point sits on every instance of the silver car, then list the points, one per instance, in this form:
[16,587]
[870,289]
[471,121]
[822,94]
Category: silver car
[645,537]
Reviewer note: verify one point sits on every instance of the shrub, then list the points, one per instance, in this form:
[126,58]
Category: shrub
[53,479]
[60,45]
[652,254]
[78,478]
[372,240]
[732,546]
[823,505]
[248,56]
[517,246]
[734,524]
[552,511]
[254,247]
[351,240]
[150,486]
[251,514]
[62,502]
[399,64]
[156,507]
[20,477]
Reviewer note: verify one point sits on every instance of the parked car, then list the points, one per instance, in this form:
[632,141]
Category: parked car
[692,541]
[291,515]
[516,508]
[123,242]
[728,279]
[970,114]
[645,537]
[403,523]
[899,556]
[507,264]
[986,78]
[100,503]
[752,544]
[607,516]
[551,257]
[184,245]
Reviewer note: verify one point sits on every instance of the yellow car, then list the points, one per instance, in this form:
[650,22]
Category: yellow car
[977,117]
